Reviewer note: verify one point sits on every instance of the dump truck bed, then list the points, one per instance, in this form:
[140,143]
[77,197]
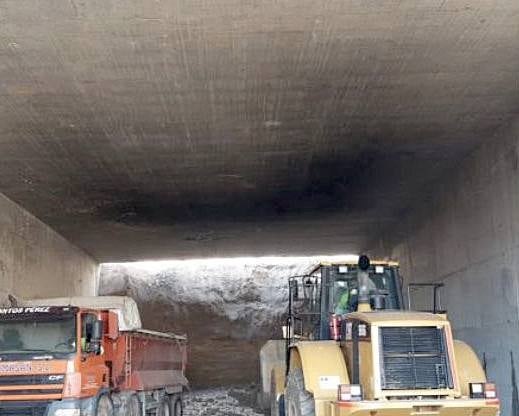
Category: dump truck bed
[147,360]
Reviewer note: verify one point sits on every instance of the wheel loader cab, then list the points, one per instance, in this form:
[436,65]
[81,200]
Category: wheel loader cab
[323,298]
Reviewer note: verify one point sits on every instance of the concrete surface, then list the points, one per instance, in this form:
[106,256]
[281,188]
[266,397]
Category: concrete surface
[37,262]
[201,128]
[465,232]
[208,128]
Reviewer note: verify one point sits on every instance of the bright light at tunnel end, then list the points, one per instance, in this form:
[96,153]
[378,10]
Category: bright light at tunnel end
[159,264]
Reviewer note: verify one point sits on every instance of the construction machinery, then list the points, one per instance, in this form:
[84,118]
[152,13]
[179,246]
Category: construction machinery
[351,348]
[87,357]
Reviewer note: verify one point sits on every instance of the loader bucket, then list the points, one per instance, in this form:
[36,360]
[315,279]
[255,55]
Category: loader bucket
[272,356]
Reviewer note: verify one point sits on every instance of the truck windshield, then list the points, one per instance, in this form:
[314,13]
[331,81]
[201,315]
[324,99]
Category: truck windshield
[37,335]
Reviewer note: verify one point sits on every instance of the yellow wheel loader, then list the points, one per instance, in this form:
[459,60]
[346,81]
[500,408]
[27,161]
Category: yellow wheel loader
[352,349]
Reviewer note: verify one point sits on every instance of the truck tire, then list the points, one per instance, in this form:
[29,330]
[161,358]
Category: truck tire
[176,405]
[164,408]
[134,406]
[105,407]
[298,402]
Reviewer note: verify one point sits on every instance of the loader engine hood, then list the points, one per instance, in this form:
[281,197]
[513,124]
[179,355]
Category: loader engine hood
[403,355]
[388,318]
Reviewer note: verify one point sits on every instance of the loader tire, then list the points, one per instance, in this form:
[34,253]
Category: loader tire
[105,407]
[298,402]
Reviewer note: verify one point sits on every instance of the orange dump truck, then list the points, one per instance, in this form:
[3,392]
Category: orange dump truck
[87,357]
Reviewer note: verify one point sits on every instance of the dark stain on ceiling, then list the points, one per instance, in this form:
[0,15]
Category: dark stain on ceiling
[203,128]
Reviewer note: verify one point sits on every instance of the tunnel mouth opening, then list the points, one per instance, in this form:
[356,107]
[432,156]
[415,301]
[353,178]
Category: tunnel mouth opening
[228,307]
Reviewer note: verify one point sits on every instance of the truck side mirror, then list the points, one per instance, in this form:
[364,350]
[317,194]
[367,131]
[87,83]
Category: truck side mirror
[97,336]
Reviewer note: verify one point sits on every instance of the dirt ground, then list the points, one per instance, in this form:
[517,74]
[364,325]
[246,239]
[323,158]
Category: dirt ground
[229,401]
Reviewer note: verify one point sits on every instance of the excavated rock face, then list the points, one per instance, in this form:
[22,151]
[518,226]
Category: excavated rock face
[228,308]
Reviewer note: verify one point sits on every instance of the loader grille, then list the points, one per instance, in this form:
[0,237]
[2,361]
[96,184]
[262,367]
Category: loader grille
[414,358]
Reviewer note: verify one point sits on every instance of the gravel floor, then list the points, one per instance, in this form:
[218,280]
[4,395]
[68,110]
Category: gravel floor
[233,401]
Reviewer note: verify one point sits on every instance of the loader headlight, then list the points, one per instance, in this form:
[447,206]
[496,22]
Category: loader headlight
[67,412]
[477,390]
[483,391]
[490,391]
[350,393]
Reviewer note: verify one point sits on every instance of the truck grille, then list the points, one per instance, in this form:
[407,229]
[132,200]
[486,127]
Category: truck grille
[31,380]
[414,358]
[24,409]
[15,389]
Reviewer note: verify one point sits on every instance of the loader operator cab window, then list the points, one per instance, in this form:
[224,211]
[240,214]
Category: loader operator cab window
[345,289]
[344,294]
[87,326]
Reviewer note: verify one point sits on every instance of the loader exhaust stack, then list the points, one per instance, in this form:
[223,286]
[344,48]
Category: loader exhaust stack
[363,278]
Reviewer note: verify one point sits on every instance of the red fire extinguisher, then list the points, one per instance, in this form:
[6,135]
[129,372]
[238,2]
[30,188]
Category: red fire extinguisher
[335,324]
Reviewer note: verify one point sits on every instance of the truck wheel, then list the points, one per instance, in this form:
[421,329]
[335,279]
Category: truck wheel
[177,407]
[134,406]
[298,402]
[164,407]
[105,407]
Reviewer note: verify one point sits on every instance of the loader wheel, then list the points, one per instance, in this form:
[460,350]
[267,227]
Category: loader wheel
[105,407]
[298,402]
[134,406]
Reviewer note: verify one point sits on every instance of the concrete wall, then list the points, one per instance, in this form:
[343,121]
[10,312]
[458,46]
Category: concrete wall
[465,233]
[35,261]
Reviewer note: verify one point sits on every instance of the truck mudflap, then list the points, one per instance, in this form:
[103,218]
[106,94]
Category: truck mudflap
[456,407]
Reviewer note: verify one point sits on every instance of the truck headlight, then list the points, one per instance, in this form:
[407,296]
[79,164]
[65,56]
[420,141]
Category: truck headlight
[67,412]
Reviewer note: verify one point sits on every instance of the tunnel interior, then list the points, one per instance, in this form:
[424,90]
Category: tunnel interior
[224,129]
[275,132]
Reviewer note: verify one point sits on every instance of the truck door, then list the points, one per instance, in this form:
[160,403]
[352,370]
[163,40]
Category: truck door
[94,372]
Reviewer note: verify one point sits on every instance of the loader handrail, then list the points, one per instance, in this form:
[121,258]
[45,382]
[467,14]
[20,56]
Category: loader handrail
[436,295]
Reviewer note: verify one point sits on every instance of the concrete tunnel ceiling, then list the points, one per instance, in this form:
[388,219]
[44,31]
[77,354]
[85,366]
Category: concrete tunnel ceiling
[143,129]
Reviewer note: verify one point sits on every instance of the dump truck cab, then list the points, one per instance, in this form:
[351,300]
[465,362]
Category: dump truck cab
[352,349]
[90,359]
[44,352]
